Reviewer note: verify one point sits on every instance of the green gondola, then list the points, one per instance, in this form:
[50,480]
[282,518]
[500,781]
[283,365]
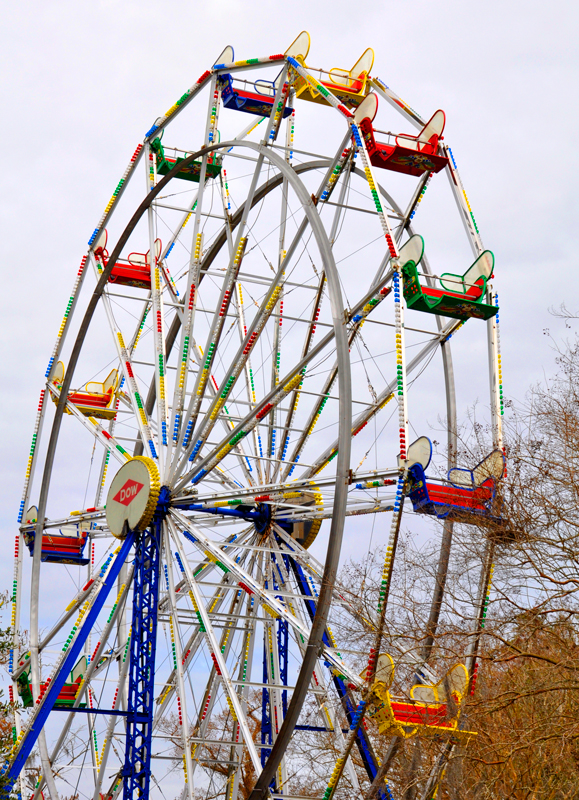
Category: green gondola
[189,173]
[461,296]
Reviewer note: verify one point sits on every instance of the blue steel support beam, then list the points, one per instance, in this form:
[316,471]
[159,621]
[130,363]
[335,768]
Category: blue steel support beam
[282,646]
[260,514]
[137,769]
[266,738]
[282,642]
[72,657]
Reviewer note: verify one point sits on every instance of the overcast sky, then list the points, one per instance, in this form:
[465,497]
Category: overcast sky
[82,82]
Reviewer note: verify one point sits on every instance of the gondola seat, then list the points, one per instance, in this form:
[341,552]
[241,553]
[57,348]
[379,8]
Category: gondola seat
[67,694]
[134,271]
[57,548]
[191,172]
[433,710]
[257,100]
[411,155]
[349,86]
[456,296]
[97,399]
[467,494]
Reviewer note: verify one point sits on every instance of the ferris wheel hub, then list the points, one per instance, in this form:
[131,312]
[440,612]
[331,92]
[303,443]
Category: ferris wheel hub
[163,504]
[133,496]
[262,520]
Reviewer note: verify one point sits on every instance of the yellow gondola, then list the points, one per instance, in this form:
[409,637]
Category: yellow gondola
[349,86]
[433,710]
[97,399]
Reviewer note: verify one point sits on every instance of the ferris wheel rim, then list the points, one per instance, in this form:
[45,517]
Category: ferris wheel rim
[342,466]
[296,170]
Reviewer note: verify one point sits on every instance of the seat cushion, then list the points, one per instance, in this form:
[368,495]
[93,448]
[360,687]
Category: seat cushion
[473,293]
[411,714]
[460,498]
[354,88]
[63,543]
[84,399]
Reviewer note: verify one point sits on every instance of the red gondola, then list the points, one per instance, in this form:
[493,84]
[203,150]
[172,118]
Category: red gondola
[411,155]
[135,271]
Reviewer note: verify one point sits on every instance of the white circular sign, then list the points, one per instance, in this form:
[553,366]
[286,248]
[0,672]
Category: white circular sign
[132,497]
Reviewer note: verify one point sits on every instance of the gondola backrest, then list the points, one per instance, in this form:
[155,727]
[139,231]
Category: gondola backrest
[367,109]
[482,268]
[78,670]
[358,74]
[493,466]
[300,47]
[412,250]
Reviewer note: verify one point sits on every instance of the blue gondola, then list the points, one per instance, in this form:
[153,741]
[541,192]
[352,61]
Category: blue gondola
[465,494]
[57,548]
[259,98]
[259,101]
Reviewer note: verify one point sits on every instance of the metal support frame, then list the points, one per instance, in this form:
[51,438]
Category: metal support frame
[137,769]
[266,737]
[282,635]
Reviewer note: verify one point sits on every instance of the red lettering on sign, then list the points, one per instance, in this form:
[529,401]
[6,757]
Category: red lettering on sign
[128,493]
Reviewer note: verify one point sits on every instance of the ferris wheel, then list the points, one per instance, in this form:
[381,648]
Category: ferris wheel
[231,388]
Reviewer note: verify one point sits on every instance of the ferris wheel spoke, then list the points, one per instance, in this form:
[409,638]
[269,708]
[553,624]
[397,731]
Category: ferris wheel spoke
[237,302]
[203,374]
[137,403]
[191,647]
[303,557]
[200,436]
[462,203]
[415,200]
[310,331]
[358,314]
[178,662]
[105,459]
[213,606]
[245,668]
[229,425]
[158,327]
[250,421]
[217,656]
[275,364]
[249,383]
[326,707]
[383,398]
[267,598]
[191,293]
[222,306]
[209,698]
[225,298]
